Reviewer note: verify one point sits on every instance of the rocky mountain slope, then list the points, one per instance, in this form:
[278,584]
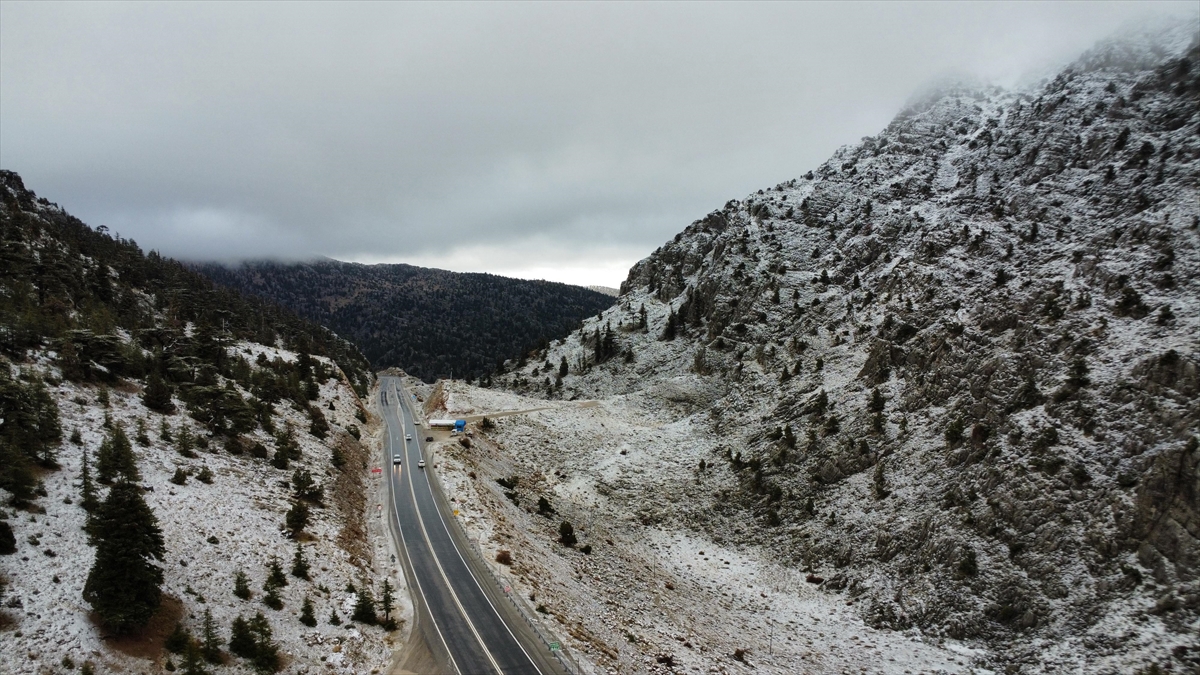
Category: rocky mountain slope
[432,323]
[237,425]
[953,370]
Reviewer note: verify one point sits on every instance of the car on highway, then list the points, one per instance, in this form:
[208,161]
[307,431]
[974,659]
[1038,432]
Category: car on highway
[429,439]
[420,464]
[396,460]
[408,437]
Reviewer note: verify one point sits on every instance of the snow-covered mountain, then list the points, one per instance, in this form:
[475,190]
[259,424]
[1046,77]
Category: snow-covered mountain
[953,369]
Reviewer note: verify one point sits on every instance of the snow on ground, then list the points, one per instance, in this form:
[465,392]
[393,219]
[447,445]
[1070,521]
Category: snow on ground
[210,531]
[651,593]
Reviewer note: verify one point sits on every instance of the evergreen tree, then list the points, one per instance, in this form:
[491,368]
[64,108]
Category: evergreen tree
[164,431]
[669,330]
[178,640]
[266,653]
[30,433]
[334,619]
[115,459]
[299,563]
[123,585]
[210,648]
[306,613]
[386,599]
[364,609]
[271,597]
[562,367]
[297,518]
[280,458]
[193,660]
[185,441]
[877,402]
[87,490]
[241,585]
[142,438]
[275,574]
[241,641]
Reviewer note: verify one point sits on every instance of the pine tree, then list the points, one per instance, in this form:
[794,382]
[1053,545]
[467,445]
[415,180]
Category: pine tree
[123,585]
[87,490]
[306,613]
[280,459]
[271,597]
[193,660]
[297,518]
[266,653]
[275,574]
[178,640]
[241,585]
[669,330]
[299,563]
[364,609]
[164,431]
[210,648]
[877,402]
[334,619]
[142,438]
[241,641]
[185,442]
[386,599]
[115,459]
[562,367]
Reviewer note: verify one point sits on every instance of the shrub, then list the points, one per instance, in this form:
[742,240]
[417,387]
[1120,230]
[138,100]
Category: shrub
[205,475]
[954,432]
[180,477]
[544,507]
[566,534]
[504,557]
[586,549]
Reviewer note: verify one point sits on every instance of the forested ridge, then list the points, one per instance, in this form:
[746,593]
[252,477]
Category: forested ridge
[432,323]
[104,312]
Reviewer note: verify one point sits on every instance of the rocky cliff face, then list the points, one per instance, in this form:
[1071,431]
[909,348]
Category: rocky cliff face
[955,365]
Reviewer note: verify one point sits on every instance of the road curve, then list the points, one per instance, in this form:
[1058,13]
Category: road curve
[466,623]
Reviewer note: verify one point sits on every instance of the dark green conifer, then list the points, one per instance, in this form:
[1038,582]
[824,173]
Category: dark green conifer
[306,613]
[364,609]
[210,647]
[299,563]
[115,459]
[123,585]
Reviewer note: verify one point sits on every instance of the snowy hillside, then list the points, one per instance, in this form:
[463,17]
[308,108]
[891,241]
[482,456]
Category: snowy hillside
[952,371]
[235,424]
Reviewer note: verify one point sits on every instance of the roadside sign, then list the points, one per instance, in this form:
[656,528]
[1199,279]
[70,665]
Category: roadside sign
[377,470]
[456,512]
[555,647]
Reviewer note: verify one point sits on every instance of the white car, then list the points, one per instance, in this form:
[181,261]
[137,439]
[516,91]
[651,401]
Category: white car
[407,437]
[396,460]
[420,464]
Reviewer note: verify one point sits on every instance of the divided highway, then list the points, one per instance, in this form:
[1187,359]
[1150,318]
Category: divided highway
[476,634]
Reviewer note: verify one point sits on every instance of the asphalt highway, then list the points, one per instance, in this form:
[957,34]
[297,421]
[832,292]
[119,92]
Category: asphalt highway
[467,623]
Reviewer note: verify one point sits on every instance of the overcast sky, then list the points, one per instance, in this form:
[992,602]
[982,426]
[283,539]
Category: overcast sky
[557,141]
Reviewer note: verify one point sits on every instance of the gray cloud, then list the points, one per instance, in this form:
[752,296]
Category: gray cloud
[539,136]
